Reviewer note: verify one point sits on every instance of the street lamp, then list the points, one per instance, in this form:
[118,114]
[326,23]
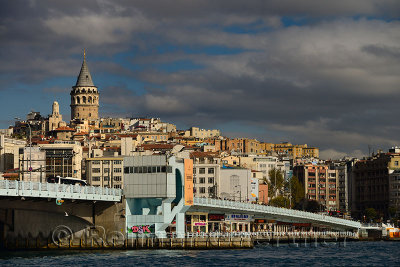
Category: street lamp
[239,191]
[30,148]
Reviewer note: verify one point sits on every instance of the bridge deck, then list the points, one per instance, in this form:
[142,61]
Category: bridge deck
[63,191]
[274,212]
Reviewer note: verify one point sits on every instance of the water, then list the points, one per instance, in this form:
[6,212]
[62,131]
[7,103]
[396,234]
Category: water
[353,254]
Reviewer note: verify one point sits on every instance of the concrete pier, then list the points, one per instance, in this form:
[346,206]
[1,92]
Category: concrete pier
[116,240]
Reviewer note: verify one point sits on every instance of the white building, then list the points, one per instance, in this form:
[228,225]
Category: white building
[105,172]
[63,158]
[235,184]
[33,164]
[205,174]
[9,152]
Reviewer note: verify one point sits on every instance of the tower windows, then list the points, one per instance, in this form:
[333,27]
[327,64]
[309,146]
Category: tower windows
[84,99]
[90,99]
[78,100]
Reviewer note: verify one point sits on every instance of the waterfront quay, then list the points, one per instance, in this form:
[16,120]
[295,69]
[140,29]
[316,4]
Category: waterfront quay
[190,241]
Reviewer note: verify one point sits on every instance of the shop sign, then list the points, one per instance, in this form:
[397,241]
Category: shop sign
[260,221]
[216,217]
[200,224]
[238,217]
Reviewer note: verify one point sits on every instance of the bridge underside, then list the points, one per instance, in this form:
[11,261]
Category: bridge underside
[30,217]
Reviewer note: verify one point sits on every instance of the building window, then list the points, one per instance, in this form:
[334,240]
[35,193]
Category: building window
[117,169]
[126,169]
[202,180]
[210,180]
[96,170]
[117,161]
[202,190]
[210,170]
[194,180]
[106,169]
[106,178]
[202,170]
[396,163]
[117,178]
[96,162]
[106,162]
[117,186]
[96,178]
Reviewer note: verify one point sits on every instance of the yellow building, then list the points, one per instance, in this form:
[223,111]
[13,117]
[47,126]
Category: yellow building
[296,151]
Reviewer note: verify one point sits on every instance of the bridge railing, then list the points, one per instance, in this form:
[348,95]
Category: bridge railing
[275,211]
[269,235]
[51,190]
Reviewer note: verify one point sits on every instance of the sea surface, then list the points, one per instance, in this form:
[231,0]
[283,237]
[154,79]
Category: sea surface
[352,254]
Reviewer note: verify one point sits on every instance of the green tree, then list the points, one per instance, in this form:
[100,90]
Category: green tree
[296,189]
[275,182]
[280,201]
[370,214]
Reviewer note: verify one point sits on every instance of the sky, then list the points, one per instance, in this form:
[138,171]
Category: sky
[323,73]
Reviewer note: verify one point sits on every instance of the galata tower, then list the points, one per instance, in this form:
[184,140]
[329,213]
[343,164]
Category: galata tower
[84,96]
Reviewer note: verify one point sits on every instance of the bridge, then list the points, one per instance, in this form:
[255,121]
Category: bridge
[62,191]
[269,212]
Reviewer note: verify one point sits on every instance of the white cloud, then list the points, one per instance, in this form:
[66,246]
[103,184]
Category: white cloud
[98,29]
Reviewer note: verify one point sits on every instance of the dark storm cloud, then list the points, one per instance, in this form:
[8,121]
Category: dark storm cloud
[328,77]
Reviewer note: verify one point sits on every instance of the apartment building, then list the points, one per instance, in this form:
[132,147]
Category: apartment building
[105,172]
[295,151]
[320,183]
[202,133]
[9,150]
[63,158]
[372,183]
[206,173]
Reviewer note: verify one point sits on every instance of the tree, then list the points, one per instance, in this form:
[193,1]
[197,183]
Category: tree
[313,206]
[309,205]
[275,182]
[370,214]
[296,189]
[280,201]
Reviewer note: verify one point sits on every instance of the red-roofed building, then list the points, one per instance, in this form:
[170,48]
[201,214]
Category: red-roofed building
[63,133]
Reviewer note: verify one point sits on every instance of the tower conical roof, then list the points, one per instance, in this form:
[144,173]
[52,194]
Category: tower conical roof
[84,78]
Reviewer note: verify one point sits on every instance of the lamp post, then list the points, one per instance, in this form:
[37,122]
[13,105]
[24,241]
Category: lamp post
[239,191]
[30,149]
